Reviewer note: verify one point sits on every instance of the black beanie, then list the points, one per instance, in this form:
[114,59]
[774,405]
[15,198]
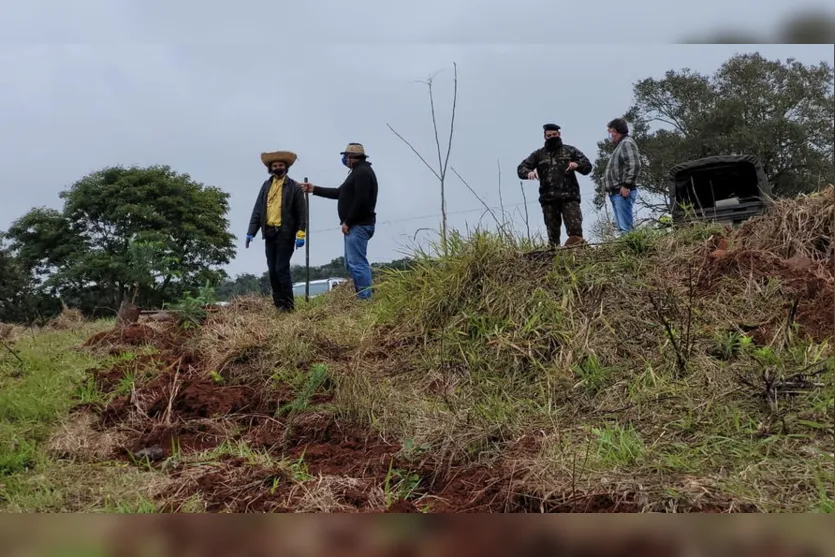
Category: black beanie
[551,128]
[619,125]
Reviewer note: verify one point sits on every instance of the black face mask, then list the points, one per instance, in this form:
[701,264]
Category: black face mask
[553,143]
[278,172]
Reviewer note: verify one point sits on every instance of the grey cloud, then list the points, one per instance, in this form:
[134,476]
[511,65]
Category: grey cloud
[382,21]
[210,109]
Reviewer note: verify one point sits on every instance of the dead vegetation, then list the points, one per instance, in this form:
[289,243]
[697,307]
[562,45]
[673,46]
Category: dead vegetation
[67,319]
[649,374]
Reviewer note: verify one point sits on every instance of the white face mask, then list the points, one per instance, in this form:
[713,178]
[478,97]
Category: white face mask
[611,136]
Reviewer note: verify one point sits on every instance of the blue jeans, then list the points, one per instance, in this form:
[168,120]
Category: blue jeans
[622,207]
[356,259]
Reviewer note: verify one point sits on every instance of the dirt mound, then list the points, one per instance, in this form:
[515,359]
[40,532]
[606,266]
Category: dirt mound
[311,461]
[806,287]
[174,410]
[329,447]
[138,334]
[203,399]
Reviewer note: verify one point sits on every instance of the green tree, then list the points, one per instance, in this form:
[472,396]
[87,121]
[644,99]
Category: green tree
[780,112]
[151,266]
[123,229]
[334,269]
[403,264]
[241,286]
[20,299]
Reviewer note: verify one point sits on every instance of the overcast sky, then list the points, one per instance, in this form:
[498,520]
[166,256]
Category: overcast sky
[85,85]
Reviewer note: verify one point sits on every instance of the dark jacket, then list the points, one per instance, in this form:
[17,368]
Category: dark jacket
[554,183]
[293,213]
[357,196]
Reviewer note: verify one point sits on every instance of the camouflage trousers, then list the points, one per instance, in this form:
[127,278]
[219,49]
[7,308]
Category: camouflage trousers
[557,212]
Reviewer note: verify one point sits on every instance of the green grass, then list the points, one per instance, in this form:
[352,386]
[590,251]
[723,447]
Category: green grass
[35,397]
[38,393]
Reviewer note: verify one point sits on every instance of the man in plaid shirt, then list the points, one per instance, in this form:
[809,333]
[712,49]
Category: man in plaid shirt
[621,176]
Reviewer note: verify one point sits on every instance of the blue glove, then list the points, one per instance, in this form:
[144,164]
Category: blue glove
[249,238]
[299,243]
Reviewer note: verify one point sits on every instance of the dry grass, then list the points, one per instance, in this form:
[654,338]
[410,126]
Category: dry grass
[11,333]
[795,228]
[79,440]
[69,318]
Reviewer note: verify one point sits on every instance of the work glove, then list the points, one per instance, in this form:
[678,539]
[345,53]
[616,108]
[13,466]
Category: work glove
[249,238]
[300,239]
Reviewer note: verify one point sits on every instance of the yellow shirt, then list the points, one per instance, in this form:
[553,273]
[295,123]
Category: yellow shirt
[274,202]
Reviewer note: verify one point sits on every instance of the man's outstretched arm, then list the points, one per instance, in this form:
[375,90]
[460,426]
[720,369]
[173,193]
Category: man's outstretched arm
[321,191]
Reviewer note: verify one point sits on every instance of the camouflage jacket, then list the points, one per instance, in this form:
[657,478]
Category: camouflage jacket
[554,183]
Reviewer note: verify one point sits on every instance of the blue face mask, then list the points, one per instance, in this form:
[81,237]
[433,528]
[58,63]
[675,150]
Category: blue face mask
[345,160]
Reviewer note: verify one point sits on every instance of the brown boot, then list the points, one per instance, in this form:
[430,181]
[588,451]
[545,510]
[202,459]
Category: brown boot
[574,241]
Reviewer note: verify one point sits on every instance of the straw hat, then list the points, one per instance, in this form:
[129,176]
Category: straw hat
[355,149]
[286,157]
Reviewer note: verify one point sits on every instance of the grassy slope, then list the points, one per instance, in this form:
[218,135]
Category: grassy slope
[581,353]
[628,367]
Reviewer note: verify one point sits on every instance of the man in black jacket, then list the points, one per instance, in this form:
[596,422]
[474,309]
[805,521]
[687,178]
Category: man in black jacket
[554,166]
[356,205]
[280,214]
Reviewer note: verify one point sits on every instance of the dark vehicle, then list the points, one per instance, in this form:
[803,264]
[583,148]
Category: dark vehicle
[725,188]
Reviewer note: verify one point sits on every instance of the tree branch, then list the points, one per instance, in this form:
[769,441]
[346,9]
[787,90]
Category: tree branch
[440,165]
[527,220]
[501,199]
[486,206]
[415,151]
[452,118]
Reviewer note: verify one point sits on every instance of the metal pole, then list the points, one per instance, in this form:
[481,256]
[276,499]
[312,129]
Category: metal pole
[307,244]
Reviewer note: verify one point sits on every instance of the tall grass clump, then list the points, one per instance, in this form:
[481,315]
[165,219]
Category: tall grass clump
[504,337]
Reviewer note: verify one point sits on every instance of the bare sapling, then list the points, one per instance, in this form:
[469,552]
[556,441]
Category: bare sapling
[443,159]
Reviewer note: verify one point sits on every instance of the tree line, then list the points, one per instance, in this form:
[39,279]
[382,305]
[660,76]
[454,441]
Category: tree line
[248,283]
[151,235]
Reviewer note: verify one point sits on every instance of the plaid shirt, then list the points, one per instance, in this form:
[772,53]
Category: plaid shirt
[623,166]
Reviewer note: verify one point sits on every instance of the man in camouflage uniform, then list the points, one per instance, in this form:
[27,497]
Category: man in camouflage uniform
[554,166]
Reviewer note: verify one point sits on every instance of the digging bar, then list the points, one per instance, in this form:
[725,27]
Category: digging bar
[307,244]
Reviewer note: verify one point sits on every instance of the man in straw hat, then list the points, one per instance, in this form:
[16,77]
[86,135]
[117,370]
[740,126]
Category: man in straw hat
[356,205]
[280,214]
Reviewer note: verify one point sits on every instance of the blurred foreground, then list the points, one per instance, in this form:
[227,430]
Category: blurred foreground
[470,536]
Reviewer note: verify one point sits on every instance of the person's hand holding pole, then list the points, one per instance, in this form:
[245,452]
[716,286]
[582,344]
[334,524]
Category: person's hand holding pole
[307,187]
